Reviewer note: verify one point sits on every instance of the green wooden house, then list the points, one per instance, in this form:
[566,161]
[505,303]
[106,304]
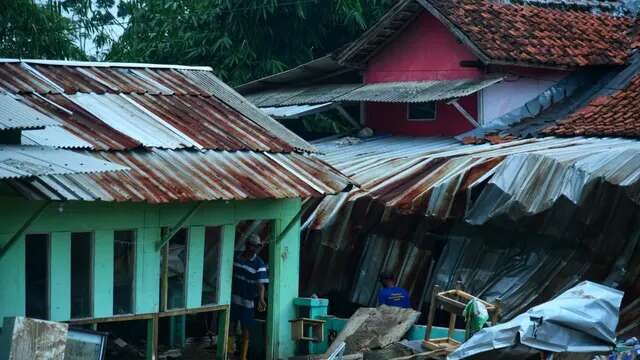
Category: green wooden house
[152,234]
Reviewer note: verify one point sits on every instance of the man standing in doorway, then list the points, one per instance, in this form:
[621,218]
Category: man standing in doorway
[390,294]
[249,279]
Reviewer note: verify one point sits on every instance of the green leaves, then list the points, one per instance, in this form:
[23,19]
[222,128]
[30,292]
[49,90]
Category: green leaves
[241,39]
[29,30]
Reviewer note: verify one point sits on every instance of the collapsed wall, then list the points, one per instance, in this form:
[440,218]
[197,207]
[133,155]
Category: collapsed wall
[541,218]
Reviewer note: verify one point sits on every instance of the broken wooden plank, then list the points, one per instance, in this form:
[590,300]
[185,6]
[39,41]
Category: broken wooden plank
[375,328]
[24,338]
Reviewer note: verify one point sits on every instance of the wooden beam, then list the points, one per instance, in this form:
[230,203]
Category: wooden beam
[223,335]
[455,30]
[432,312]
[23,228]
[464,112]
[152,338]
[174,229]
[347,116]
[176,312]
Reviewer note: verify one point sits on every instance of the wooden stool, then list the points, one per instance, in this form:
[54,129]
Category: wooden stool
[454,302]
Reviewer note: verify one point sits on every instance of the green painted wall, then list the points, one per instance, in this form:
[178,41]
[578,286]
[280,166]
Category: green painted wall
[284,262]
[60,219]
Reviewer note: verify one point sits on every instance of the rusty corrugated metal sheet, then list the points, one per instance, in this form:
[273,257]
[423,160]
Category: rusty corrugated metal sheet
[184,134]
[208,113]
[520,221]
[436,176]
[161,176]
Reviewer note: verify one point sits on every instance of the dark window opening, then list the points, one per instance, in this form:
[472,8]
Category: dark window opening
[123,271]
[211,265]
[422,111]
[173,270]
[37,275]
[81,273]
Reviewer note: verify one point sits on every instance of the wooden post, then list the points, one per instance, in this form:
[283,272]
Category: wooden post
[452,326]
[164,276]
[432,312]
[496,313]
[223,334]
[453,316]
[152,338]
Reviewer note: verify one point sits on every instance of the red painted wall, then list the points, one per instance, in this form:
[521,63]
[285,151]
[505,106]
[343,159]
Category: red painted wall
[391,118]
[425,50]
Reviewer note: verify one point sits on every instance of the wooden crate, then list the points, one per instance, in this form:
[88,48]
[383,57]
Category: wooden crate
[304,329]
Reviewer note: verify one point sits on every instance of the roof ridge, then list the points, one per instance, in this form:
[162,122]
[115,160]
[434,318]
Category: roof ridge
[104,64]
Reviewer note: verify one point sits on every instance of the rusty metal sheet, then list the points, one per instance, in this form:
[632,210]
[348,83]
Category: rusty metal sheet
[19,161]
[162,176]
[211,123]
[80,123]
[429,175]
[229,96]
[121,113]
[183,134]
[170,107]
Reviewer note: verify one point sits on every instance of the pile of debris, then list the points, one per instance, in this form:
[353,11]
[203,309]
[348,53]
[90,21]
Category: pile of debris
[579,323]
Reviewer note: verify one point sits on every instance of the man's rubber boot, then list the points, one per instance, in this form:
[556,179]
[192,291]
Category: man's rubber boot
[231,344]
[244,350]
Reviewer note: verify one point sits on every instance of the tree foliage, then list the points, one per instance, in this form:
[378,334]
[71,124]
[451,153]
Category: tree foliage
[241,40]
[30,30]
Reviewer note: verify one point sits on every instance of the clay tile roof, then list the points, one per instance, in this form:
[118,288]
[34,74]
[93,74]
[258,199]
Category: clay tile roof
[616,114]
[530,34]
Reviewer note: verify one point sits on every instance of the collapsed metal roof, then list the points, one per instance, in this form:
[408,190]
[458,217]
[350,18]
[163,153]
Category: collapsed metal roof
[520,221]
[184,135]
[440,178]
[406,92]
[18,161]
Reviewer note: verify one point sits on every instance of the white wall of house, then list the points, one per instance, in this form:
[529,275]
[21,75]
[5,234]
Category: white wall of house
[513,92]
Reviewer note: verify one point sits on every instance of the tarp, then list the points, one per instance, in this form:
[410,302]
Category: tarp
[582,319]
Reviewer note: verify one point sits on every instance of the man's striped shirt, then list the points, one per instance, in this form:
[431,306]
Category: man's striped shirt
[247,274]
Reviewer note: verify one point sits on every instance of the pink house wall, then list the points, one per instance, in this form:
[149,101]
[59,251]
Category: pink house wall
[425,50]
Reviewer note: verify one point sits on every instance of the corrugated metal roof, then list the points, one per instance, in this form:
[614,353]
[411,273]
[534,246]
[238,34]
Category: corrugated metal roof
[417,91]
[408,91]
[161,176]
[313,71]
[128,117]
[435,177]
[16,115]
[223,120]
[54,136]
[295,111]
[307,95]
[237,102]
[184,134]
[19,161]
